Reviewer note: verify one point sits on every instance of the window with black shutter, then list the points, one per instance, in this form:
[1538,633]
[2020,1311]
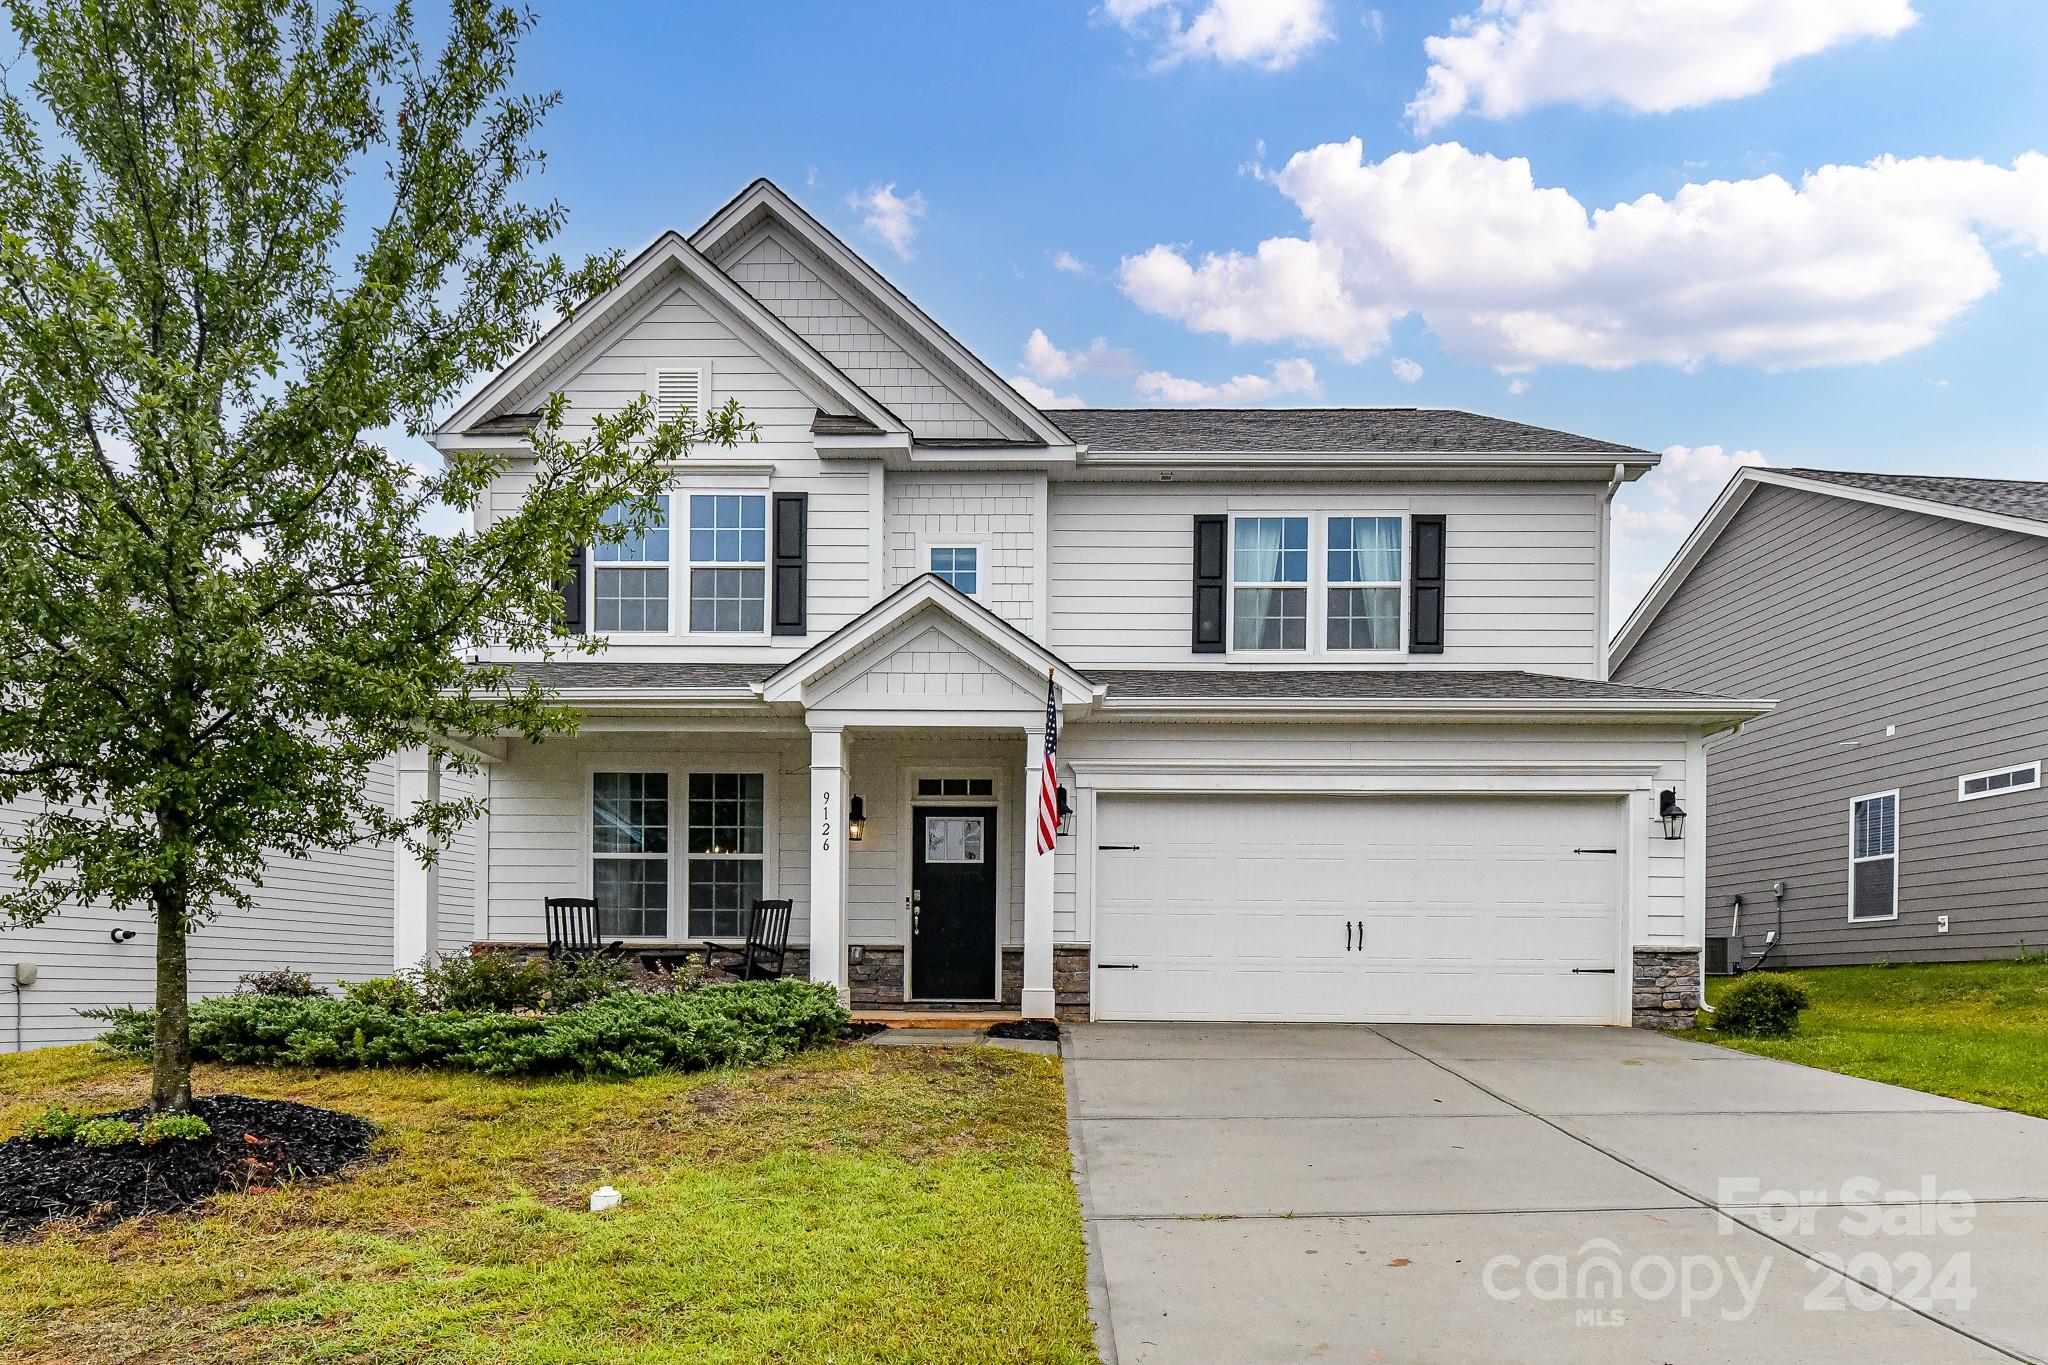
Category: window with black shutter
[1426,586]
[792,535]
[1211,574]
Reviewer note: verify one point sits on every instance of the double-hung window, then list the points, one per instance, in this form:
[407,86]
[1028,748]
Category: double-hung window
[1874,857]
[631,588]
[1364,565]
[727,851]
[959,565]
[1269,583]
[728,563]
[629,853]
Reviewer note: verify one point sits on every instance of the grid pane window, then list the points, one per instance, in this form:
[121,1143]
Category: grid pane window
[727,843]
[632,599]
[959,565]
[1874,857]
[956,786]
[629,844]
[1364,565]
[728,563]
[1268,556]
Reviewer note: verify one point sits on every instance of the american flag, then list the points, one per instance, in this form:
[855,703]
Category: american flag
[1048,785]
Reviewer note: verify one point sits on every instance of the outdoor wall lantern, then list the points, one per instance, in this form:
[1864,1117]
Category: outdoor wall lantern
[1063,810]
[857,820]
[1671,813]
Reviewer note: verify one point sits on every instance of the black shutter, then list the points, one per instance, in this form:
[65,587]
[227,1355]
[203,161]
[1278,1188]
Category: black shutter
[1212,612]
[1426,587]
[792,537]
[574,594]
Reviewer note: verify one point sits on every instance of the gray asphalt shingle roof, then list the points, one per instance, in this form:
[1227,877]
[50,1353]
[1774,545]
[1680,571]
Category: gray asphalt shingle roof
[2003,497]
[1391,431]
[1437,684]
[1164,684]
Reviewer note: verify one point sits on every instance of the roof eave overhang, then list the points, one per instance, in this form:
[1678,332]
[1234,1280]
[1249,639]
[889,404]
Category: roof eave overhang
[1425,464]
[1706,714]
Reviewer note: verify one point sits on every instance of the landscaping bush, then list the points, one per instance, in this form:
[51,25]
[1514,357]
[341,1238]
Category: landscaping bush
[54,1124]
[1760,1006]
[476,982]
[283,981]
[624,1033]
[393,993]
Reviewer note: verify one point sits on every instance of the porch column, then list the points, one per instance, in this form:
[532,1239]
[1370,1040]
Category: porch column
[828,859]
[415,886]
[1038,990]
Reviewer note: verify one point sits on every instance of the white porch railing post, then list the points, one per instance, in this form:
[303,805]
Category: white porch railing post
[828,859]
[1038,988]
[415,886]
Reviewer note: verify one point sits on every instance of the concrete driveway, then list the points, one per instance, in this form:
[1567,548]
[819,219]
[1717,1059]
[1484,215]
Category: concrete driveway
[1404,1193]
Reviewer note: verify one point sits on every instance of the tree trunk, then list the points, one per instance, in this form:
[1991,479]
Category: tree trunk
[170,1084]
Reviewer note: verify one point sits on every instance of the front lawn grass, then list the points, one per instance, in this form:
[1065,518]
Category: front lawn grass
[1974,1031]
[853,1204]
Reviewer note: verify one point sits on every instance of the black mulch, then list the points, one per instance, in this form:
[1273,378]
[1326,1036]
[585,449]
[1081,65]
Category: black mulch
[857,1029]
[254,1143]
[1037,1030]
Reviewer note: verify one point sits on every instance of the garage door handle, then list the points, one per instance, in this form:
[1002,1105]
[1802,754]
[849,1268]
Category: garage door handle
[1592,971]
[1117,966]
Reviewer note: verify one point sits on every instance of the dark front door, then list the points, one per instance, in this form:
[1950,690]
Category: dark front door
[953,903]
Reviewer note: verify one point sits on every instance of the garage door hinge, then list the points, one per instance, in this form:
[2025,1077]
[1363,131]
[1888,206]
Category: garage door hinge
[1123,848]
[1117,966]
[1596,850]
[1592,971]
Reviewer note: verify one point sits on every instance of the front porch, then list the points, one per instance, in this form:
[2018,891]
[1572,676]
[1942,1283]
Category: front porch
[885,782]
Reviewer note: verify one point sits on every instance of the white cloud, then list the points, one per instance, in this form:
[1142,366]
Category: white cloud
[1649,55]
[1851,264]
[1653,515]
[1406,370]
[1046,362]
[1068,262]
[1273,34]
[1518,386]
[1040,396]
[1287,377]
[889,216]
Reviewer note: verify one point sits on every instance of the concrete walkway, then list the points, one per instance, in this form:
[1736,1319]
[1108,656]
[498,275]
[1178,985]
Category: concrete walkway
[1493,1194]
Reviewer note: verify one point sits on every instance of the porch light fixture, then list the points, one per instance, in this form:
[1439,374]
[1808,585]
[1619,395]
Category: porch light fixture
[856,820]
[1671,813]
[1063,810]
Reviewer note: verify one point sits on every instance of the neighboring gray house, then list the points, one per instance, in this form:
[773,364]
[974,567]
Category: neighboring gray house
[1902,624]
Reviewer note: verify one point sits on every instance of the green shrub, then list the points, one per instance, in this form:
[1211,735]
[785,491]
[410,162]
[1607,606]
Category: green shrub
[625,1033]
[1760,1006]
[54,1124]
[476,982]
[394,993]
[282,981]
[578,982]
[107,1132]
[173,1128]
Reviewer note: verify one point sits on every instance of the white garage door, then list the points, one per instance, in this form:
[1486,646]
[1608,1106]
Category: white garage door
[1460,909]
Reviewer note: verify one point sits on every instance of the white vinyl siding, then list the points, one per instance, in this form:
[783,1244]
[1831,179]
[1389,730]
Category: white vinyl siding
[1523,571]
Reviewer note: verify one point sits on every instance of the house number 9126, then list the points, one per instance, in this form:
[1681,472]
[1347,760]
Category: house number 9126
[825,822]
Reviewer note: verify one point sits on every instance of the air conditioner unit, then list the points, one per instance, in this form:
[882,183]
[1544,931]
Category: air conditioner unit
[1724,954]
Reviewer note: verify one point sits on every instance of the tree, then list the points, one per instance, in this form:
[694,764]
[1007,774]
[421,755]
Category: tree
[238,238]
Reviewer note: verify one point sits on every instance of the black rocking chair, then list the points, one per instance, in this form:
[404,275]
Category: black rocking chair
[572,931]
[767,945]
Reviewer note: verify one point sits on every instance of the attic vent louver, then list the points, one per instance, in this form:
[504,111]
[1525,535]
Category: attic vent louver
[678,393]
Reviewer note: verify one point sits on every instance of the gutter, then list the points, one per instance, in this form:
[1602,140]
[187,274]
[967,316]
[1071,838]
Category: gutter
[1731,712]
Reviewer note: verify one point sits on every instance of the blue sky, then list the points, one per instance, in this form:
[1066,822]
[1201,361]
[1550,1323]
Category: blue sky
[1892,322]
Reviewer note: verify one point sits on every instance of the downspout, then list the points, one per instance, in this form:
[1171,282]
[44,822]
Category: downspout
[1734,929]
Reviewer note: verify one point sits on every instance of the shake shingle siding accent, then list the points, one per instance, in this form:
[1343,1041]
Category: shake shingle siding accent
[1859,617]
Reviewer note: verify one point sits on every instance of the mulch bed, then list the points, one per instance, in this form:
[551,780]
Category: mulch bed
[254,1143]
[1036,1030]
[857,1029]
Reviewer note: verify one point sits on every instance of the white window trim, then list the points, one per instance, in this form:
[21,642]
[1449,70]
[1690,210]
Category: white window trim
[1898,830]
[591,855]
[1317,586]
[679,855]
[686,564]
[980,548]
[1966,778]
[1399,585]
[667,566]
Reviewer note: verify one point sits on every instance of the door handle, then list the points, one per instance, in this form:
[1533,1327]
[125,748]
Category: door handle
[915,903]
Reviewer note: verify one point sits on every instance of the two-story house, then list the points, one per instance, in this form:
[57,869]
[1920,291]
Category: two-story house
[1336,740]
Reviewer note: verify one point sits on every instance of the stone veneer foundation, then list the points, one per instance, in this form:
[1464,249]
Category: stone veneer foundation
[1666,987]
[877,980]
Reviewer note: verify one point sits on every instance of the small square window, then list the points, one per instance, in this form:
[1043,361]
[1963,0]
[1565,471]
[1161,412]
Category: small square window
[959,565]
[953,838]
